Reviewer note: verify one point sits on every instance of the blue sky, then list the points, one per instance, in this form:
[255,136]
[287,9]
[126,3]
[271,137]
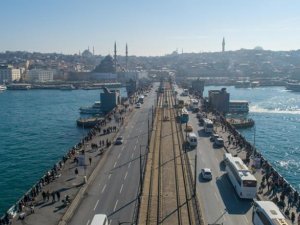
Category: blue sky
[150,27]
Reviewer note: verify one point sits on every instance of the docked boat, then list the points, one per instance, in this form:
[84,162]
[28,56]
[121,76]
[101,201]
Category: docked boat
[19,86]
[241,123]
[293,87]
[88,122]
[242,84]
[67,87]
[3,87]
[94,109]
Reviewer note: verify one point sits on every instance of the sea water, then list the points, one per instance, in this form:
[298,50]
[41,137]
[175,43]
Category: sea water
[276,133]
[37,127]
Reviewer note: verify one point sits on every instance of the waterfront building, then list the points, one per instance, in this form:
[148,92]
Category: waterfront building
[219,100]
[109,100]
[9,74]
[40,75]
[198,86]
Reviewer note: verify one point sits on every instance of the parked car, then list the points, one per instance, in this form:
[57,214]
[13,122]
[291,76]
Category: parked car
[206,174]
[138,105]
[119,140]
[219,142]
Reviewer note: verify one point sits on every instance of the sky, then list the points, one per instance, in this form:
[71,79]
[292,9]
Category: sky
[149,27]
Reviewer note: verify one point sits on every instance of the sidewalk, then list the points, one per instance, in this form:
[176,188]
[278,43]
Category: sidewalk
[52,208]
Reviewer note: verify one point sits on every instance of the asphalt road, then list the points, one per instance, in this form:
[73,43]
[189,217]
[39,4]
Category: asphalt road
[114,191]
[218,200]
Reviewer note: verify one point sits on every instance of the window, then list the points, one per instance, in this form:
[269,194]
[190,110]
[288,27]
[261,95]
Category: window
[263,218]
[249,183]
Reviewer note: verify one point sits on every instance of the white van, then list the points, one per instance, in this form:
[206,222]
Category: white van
[192,139]
[100,219]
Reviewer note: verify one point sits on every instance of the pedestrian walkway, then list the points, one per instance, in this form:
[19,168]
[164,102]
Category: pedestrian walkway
[52,196]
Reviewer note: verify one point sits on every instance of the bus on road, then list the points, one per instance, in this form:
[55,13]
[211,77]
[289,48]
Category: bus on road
[267,213]
[244,183]
[208,125]
[184,115]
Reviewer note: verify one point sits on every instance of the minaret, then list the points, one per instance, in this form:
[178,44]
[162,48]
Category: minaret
[223,45]
[115,56]
[126,52]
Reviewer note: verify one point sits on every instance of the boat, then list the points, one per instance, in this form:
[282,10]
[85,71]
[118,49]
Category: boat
[88,122]
[3,87]
[241,123]
[67,87]
[242,84]
[238,106]
[293,87]
[94,109]
[19,86]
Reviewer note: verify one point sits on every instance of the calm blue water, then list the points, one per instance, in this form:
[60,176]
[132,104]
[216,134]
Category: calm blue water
[276,112]
[37,127]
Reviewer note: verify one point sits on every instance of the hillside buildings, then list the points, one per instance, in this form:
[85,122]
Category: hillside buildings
[40,75]
[9,74]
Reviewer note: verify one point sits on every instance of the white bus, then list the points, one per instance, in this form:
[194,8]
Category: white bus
[267,213]
[192,139]
[99,219]
[244,183]
[208,125]
[194,104]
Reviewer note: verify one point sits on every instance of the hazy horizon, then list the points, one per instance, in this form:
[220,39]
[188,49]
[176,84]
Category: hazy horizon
[151,28]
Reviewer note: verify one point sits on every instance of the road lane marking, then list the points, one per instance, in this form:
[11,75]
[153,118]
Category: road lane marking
[103,189]
[137,140]
[134,148]
[96,205]
[132,155]
[88,222]
[125,175]
[115,164]
[122,148]
[110,222]
[116,205]
[247,222]
[109,176]
[119,155]
[121,188]
[129,164]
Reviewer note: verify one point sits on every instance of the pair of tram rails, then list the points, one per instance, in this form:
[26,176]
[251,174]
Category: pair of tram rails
[183,190]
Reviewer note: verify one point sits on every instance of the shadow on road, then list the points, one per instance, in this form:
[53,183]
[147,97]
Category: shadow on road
[232,202]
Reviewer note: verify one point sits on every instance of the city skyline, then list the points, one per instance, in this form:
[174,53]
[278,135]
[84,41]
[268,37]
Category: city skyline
[151,28]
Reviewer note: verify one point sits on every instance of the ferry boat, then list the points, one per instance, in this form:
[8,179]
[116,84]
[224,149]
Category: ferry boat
[238,106]
[19,86]
[94,109]
[242,84]
[67,87]
[293,87]
[3,87]
[241,123]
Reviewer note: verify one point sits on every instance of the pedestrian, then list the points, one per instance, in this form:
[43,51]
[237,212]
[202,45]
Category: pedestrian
[48,195]
[44,195]
[58,195]
[53,196]
[298,219]
[76,171]
[90,159]
[293,217]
